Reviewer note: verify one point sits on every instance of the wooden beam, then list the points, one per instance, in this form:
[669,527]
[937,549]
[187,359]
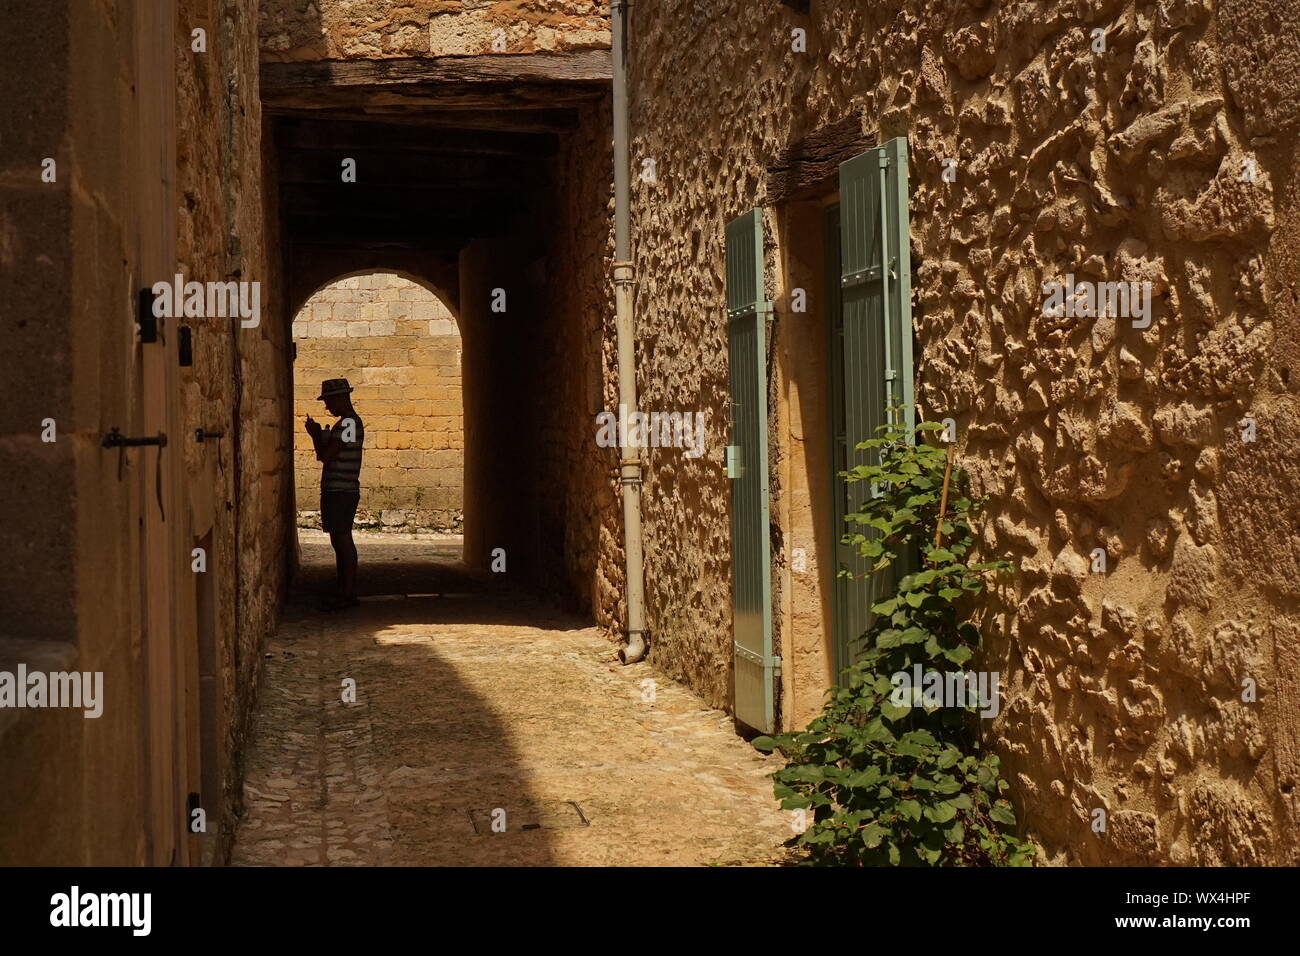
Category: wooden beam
[457,96]
[545,121]
[410,170]
[590,67]
[377,200]
[808,166]
[333,230]
[447,247]
[432,231]
[296,133]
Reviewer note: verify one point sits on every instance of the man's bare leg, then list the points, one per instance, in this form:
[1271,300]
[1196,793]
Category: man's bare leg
[345,561]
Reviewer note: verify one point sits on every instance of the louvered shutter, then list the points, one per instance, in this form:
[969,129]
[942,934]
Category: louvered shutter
[751,583]
[875,347]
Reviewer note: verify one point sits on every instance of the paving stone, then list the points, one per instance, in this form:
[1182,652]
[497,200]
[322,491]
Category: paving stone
[491,700]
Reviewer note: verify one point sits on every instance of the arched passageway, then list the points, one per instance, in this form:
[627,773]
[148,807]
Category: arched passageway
[473,693]
[503,219]
[399,347]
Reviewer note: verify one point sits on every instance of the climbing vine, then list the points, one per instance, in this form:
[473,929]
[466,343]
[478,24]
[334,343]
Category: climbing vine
[891,773]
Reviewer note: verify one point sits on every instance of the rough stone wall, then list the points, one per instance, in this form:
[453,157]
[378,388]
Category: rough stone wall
[240,491]
[399,346]
[65,282]
[584,514]
[1122,690]
[73,257]
[294,30]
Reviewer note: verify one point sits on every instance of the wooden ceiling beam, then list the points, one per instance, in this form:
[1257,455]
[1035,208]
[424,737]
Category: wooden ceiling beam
[447,247]
[408,169]
[538,121]
[425,231]
[576,68]
[296,133]
[410,99]
[379,201]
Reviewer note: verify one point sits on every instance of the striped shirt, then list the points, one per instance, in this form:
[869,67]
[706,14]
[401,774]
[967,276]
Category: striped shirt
[344,472]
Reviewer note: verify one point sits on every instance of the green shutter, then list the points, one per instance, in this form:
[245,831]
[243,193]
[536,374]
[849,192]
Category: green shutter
[875,347]
[751,582]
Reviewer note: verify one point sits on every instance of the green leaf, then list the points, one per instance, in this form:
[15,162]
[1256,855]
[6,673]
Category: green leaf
[890,637]
[940,813]
[921,737]
[866,778]
[893,785]
[891,711]
[913,635]
[1003,814]
[948,785]
[959,654]
[872,834]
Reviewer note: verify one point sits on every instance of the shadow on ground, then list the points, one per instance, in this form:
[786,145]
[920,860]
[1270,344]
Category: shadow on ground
[477,703]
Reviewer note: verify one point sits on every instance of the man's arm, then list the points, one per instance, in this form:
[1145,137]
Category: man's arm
[328,448]
[314,431]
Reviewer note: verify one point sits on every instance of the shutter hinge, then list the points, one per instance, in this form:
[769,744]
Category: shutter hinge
[861,276]
[773,662]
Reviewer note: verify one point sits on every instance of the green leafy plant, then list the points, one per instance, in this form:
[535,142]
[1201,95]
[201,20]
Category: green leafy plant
[890,778]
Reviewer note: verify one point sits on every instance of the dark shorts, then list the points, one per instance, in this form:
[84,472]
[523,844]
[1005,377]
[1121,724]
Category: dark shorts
[337,509]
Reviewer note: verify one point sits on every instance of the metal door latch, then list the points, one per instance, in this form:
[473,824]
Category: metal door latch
[201,435]
[115,439]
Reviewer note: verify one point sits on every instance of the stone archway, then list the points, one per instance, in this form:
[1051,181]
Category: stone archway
[397,342]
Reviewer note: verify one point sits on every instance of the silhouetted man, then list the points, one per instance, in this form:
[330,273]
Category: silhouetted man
[338,449]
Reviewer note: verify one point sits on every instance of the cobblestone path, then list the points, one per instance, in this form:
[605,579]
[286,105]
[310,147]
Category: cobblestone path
[471,701]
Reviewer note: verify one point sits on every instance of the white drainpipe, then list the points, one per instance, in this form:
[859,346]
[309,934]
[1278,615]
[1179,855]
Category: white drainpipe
[624,277]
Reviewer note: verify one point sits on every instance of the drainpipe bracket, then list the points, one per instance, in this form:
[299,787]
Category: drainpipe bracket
[630,471]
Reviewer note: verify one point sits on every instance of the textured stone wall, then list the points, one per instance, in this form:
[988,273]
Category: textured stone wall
[240,384]
[399,347]
[65,282]
[1123,689]
[293,30]
[582,513]
[91,86]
